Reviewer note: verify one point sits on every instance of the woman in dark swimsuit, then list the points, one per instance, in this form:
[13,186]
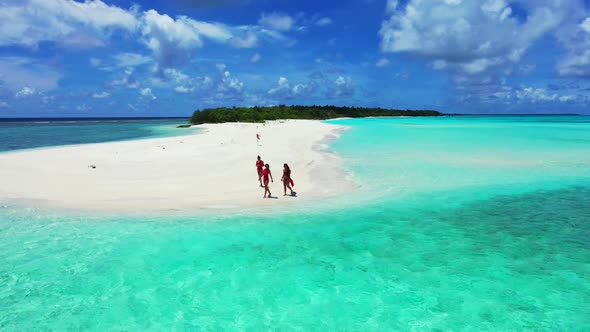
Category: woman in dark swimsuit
[287,179]
[265,174]
[259,169]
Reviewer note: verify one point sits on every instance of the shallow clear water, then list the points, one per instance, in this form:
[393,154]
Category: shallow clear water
[434,239]
[36,133]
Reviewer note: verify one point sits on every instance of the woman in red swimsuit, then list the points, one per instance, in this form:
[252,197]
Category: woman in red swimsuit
[265,174]
[259,166]
[287,179]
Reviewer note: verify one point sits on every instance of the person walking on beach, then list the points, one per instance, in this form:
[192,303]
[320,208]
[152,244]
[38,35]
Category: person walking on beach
[266,173]
[286,179]
[258,139]
[259,169]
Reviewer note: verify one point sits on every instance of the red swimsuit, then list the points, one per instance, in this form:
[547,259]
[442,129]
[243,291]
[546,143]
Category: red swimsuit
[265,173]
[259,165]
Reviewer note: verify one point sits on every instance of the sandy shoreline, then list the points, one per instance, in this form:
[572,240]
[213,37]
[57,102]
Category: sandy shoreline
[213,169]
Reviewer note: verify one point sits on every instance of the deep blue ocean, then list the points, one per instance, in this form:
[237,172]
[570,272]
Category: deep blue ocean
[458,224]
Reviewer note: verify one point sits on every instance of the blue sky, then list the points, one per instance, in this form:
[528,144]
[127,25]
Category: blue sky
[168,58]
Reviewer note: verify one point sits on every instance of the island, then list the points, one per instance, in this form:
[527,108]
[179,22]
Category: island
[299,112]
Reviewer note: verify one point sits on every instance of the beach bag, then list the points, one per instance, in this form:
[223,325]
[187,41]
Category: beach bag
[292,183]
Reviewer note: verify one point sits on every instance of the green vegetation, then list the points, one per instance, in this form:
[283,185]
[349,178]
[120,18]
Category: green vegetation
[260,114]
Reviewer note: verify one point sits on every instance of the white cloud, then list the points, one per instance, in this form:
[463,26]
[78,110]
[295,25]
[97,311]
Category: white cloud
[4,104]
[172,41]
[25,92]
[224,87]
[276,21]
[230,84]
[131,59]
[183,89]
[526,69]
[537,95]
[63,21]
[575,37]
[128,80]
[324,21]
[255,58]
[17,72]
[284,90]
[83,108]
[147,93]
[170,75]
[383,62]
[470,37]
[199,84]
[95,62]
[248,41]
[221,66]
[492,91]
[214,31]
[341,87]
[101,95]
[575,64]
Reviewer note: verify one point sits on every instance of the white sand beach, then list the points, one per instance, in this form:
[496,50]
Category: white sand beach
[212,169]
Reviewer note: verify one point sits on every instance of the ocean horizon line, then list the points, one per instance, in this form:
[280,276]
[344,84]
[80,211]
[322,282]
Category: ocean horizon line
[25,119]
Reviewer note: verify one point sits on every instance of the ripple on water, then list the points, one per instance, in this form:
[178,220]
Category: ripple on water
[460,268]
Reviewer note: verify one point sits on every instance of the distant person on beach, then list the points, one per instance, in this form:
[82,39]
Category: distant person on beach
[266,173]
[257,138]
[286,179]
[259,169]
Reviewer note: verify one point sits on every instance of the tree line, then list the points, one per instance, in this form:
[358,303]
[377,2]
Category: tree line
[282,112]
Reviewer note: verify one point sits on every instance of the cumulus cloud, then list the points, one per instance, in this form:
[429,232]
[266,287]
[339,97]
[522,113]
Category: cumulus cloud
[128,80]
[248,41]
[196,85]
[501,97]
[170,76]
[214,31]
[16,72]
[95,62]
[341,87]
[130,59]
[183,89]
[230,85]
[224,86]
[83,108]
[538,95]
[284,90]
[25,92]
[101,95]
[147,93]
[526,69]
[324,21]
[575,37]
[276,21]
[172,41]
[383,62]
[255,58]
[470,37]
[85,24]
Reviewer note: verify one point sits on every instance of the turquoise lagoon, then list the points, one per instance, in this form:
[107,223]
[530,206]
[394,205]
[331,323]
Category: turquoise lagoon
[17,134]
[458,224]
